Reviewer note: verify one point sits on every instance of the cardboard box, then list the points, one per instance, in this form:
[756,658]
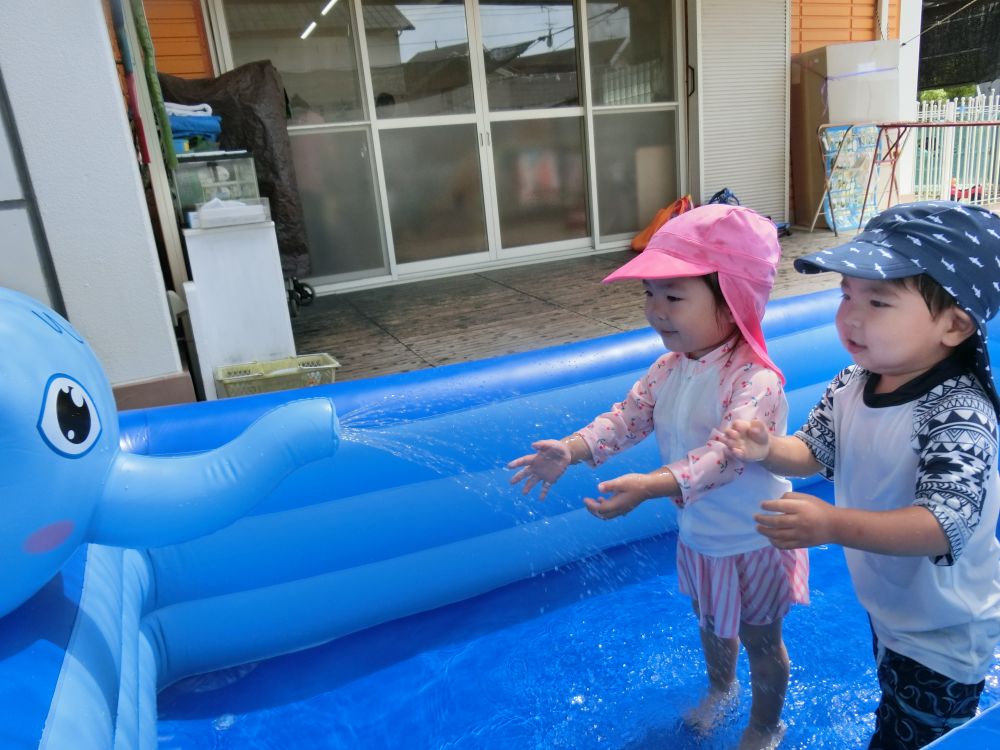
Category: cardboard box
[840,84]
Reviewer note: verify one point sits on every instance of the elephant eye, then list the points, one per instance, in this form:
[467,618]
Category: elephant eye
[68,421]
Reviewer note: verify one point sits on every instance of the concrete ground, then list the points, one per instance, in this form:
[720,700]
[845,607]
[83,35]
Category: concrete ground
[431,323]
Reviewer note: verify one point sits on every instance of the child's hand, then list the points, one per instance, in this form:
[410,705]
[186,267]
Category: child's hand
[627,492]
[545,466]
[747,441]
[796,520]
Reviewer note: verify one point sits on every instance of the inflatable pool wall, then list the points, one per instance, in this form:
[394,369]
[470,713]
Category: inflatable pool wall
[67,482]
[413,511]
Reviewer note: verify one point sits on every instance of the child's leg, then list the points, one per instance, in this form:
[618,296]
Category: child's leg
[918,705]
[720,658]
[720,661]
[769,669]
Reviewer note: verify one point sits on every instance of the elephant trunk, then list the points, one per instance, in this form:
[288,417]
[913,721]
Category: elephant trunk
[150,501]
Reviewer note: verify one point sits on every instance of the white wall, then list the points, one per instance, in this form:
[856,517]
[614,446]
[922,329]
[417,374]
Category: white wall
[909,63]
[22,256]
[910,12]
[68,111]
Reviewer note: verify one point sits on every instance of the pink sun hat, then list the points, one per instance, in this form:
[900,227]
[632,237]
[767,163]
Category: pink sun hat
[737,243]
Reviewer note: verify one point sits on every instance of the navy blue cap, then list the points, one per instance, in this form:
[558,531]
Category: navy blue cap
[957,245]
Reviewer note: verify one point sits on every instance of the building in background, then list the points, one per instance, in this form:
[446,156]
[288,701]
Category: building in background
[429,138]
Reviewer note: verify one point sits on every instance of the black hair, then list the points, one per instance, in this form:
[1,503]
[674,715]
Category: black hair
[938,301]
[712,282]
[933,294]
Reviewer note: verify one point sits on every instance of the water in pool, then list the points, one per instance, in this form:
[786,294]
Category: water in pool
[603,653]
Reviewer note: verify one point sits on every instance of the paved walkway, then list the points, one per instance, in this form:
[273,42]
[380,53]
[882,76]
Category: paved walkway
[431,323]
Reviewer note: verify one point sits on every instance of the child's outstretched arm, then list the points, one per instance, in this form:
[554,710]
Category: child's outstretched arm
[630,490]
[786,455]
[627,423]
[800,520]
[548,463]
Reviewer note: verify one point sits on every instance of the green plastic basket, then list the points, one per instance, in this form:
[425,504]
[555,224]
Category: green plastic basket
[275,375]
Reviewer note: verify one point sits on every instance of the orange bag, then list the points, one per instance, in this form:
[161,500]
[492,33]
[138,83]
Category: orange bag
[664,215]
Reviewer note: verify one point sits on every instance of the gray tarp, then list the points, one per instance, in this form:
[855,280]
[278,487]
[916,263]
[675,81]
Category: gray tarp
[251,102]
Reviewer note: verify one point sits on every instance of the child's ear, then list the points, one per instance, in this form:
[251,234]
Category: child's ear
[725,315]
[960,327]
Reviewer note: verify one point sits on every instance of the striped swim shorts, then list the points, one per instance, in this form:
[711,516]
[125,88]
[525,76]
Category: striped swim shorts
[756,587]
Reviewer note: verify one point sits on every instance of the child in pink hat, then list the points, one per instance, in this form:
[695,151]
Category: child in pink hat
[707,275]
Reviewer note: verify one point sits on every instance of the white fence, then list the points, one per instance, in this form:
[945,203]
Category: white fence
[957,157]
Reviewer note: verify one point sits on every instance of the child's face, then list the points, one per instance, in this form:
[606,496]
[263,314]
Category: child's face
[683,311]
[888,329]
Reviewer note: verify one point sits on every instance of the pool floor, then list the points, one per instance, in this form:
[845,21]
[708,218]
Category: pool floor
[603,653]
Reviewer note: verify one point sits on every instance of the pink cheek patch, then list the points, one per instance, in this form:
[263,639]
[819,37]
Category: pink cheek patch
[48,538]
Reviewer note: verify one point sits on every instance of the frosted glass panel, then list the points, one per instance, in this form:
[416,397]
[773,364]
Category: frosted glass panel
[631,51]
[636,159]
[540,180]
[419,54]
[319,71]
[334,174]
[435,191]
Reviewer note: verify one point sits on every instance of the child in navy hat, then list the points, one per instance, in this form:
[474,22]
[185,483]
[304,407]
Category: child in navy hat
[908,434]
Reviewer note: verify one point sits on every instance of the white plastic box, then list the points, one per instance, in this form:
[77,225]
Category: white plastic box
[220,213]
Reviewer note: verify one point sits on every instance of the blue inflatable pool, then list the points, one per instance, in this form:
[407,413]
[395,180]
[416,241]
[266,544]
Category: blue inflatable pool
[410,512]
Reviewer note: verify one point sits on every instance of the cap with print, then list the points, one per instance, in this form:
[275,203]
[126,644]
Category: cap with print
[956,244]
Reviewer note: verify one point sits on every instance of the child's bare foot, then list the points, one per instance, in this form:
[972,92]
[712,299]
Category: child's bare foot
[712,709]
[756,737]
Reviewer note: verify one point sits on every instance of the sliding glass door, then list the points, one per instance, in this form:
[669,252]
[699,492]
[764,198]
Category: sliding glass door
[534,117]
[313,46]
[482,140]
[424,95]
[434,134]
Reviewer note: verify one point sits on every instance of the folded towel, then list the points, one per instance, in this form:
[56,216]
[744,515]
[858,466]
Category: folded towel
[183,126]
[173,108]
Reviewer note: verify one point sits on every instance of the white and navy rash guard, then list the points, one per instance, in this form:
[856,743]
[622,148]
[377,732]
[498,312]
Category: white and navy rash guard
[932,443]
